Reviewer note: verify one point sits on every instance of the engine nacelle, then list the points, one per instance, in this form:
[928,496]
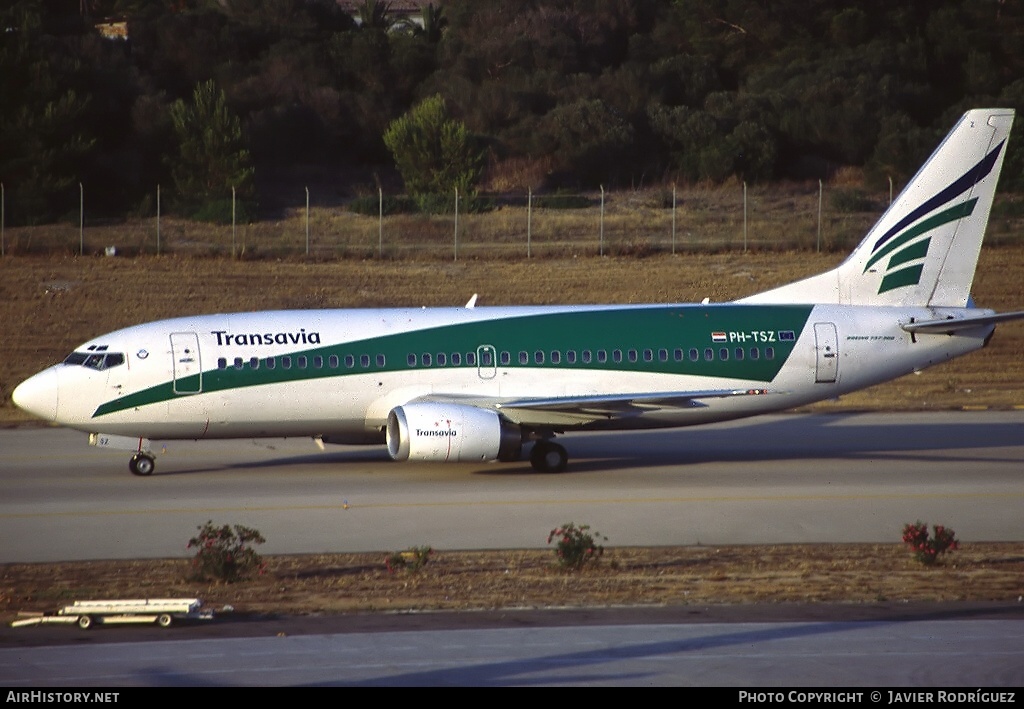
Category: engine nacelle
[450,433]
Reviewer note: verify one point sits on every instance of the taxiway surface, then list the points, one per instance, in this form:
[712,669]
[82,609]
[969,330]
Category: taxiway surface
[793,478]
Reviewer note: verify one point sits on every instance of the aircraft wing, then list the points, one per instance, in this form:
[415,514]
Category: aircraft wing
[950,325]
[580,410]
[584,409]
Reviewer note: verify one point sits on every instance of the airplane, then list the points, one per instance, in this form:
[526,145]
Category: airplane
[481,383]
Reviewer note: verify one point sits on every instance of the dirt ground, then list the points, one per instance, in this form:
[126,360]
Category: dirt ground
[532,579]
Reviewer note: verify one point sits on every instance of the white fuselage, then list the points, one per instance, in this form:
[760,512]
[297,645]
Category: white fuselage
[334,373]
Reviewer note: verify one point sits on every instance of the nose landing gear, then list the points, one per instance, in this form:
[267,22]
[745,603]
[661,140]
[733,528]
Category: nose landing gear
[142,463]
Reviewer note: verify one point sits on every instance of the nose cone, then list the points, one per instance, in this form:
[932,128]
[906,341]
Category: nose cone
[38,395]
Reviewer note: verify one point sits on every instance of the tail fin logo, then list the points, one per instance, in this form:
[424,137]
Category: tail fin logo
[907,242]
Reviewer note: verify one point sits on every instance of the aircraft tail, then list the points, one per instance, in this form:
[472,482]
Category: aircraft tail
[924,249]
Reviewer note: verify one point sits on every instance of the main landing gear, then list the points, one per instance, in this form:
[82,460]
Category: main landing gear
[142,464]
[548,457]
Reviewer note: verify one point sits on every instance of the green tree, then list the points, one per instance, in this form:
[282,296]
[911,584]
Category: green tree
[434,153]
[588,140]
[45,141]
[212,158]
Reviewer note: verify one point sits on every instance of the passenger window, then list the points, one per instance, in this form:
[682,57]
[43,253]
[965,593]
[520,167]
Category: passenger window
[648,355]
[486,358]
[538,357]
[694,354]
[350,361]
[318,362]
[505,358]
[616,355]
[739,353]
[380,360]
[769,353]
[300,361]
[471,359]
[410,359]
[632,354]
[254,363]
[723,354]
[524,357]
[333,362]
[270,362]
[456,359]
[570,356]
[556,356]
[222,363]
[286,362]
[364,361]
[238,363]
[425,359]
[602,356]
[663,355]
[587,356]
[709,354]
[755,353]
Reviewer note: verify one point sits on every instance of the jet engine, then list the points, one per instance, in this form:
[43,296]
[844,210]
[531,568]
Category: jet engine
[449,433]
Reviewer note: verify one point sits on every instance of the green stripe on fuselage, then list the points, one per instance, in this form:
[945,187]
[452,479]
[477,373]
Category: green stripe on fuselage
[653,328]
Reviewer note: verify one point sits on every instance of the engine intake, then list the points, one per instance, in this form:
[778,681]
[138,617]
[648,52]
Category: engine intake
[450,433]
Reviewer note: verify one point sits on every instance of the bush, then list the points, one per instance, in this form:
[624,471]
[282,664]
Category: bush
[219,211]
[561,201]
[371,205]
[412,559]
[927,549]
[850,201]
[576,545]
[225,553]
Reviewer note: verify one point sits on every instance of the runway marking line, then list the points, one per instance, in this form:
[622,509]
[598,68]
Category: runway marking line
[599,501]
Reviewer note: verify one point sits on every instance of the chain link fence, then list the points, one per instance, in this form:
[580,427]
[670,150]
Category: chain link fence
[735,217]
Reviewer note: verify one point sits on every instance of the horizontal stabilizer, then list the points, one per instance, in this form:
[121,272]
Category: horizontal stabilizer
[951,325]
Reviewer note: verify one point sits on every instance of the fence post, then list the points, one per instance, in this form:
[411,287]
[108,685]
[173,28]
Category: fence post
[744,216]
[529,219]
[456,224]
[673,220]
[158,220]
[821,189]
[81,220]
[307,222]
[2,249]
[380,223]
[232,222]
[601,241]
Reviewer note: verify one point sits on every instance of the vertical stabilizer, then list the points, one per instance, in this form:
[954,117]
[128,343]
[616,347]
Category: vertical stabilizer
[924,249]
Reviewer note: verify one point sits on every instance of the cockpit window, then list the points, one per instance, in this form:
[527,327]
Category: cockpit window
[95,360]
